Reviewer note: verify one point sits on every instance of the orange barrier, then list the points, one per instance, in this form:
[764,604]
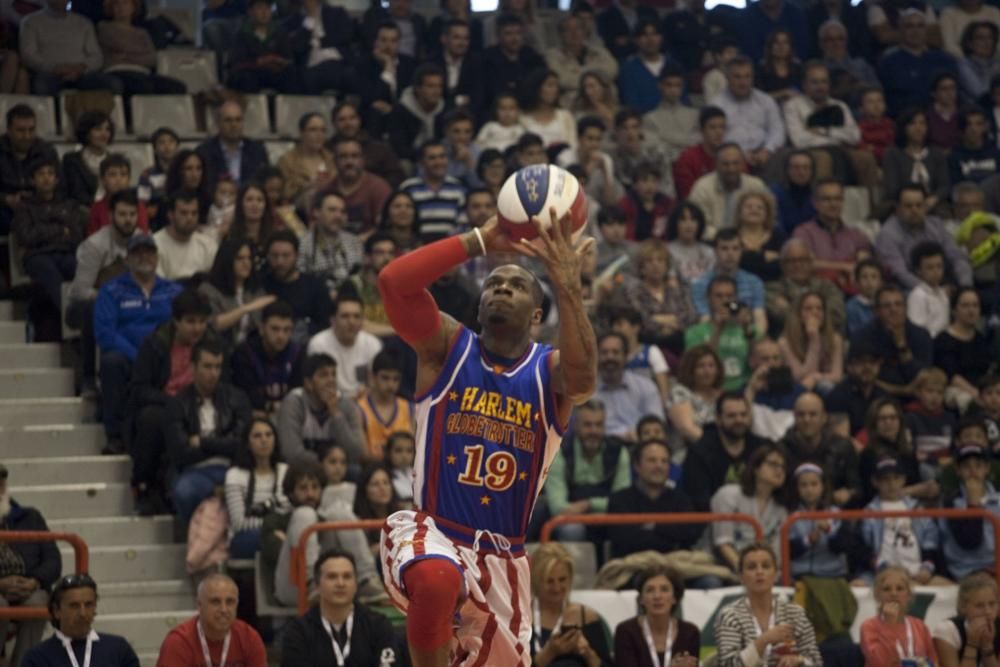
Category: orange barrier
[660,517]
[931,513]
[299,576]
[82,558]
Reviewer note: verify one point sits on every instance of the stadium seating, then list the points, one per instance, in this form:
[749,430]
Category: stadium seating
[44,108]
[174,111]
[288,109]
[196,68]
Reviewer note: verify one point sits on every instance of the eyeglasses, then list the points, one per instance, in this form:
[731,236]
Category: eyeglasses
[79,580]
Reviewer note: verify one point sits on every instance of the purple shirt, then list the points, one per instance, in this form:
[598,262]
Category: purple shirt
[840,246]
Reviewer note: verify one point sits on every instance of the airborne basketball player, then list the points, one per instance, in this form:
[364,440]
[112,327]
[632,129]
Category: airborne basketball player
[491,410]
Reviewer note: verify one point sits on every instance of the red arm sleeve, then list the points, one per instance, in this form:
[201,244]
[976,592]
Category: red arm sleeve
[403,285]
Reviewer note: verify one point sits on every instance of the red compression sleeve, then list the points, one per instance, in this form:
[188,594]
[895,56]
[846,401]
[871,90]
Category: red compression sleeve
[403,284]
[433,586]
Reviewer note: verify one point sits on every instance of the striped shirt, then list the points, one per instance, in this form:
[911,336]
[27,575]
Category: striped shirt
[437,210]
[736,630]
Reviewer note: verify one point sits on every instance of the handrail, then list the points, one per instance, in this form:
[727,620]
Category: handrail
[81,557]
[655,517]
[298,565]
[937,513]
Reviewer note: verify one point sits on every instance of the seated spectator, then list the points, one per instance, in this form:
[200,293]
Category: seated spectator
[20,148]
[204,425]
[627,395]
[987,408]
[720,456]
[637,80]
[631,149]
[849,73]
[338,627]
[215,630]
[975,158]
[727,183]
[959,350]
[183,248]
[943,128]
[364,193]
[753,121]
[758,493]
[116,174]
[598,166]
[315,415]
[956,19]
[792,192]
[905,348]
[529,150]
[511,57]
[541,113]
[812,440]
[187,171]
[348,345]
[60,50]
[252,219]
[689,254]
[412,25]
[810,346]
[416,118]
[878,131]
[749,288]
[698,159]
[253,486]
[307,293]
[72,610]
[673,123]
[771,390]
[977,64]
[835,247]
[574,56]
[268,364]
[587,470]
[465,83]
[234,292]
[973,631]
[504,128]
[643,358]
[383,411]
[230,152]
[308,167]
[563,631]
[729,330]
[853,395]
[739,633]
[883,635]
[129,54]
[322,38]
[33,568]
[438,196]
[615,251]
[859,308]
[223,209]
[379,158]
[798,276]
[261,56]
[756,225]
[649,494]
[376,499]
[964,542]
[913,162]
[692,396]
[905,71]
[930,425]
[661,590]
[337,488]
[887,436]
[47,230]
[463,153]
[81,168]
[616,23]
[927,304]
[400,455]
[379,249]
[779,71]
[817,548]
[646,208]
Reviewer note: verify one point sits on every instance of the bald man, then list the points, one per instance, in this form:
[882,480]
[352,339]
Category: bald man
[810,440]
[214,636]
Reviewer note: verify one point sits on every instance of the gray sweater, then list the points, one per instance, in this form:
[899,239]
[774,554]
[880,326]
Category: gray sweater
[49,40]
[304,428]
[97,252]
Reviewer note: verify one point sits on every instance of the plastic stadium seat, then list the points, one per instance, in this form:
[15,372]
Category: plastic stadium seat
[63,147]
[256,118]
[139,154]
[288,109]
[275,149]
[175,111]
[117,117]
[195,67]
[44,108]
[184,18]
[267,604]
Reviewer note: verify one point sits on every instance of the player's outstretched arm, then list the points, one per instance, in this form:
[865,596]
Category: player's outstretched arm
[575,371]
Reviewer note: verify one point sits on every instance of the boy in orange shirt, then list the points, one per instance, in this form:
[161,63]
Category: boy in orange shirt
[382,411]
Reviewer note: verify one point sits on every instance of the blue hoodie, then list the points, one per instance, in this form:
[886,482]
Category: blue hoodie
[925,530]
[824,558]
[124,315]
[968,543]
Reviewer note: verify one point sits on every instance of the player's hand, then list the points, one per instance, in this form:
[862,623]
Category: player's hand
[494,237]
[561,260]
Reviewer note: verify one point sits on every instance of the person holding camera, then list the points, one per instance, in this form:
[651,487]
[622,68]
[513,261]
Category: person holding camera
[253,487]
[729,330]
[771,390]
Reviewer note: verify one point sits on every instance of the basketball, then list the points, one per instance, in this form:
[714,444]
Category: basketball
[530,193]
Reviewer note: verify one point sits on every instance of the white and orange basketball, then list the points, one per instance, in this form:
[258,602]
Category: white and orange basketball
[530,193]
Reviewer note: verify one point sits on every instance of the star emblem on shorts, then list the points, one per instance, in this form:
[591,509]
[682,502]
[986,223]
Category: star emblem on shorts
[523,476]
[453,396]
[451,459]
[485,500]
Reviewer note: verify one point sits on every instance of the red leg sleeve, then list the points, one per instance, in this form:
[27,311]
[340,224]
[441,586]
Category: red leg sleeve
[403,284]
[433,586]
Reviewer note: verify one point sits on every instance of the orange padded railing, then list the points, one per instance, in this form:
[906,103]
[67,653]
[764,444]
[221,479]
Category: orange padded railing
[661,517]
[82,557]
[845,515]
[299,576]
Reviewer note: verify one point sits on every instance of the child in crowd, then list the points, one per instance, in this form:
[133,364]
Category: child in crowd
[463,153]
[987,408]
[819,548]
[927,304]
[643,358]
[971,432]
[382,410]
[878,131]
[910,544]
[503,132]
[689,255]
[931,426]
[869,278]
[223,208]
[646,208]
[400,453]
[891,637]
[115,173]
[973,636]
[968,544]
[153,180]
[615,251]
[337,490]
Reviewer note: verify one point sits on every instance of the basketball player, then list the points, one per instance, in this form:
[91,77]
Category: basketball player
[491,410]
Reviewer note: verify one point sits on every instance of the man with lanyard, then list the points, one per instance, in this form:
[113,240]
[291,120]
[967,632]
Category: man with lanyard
[339,631]
[215,637]
[75,643]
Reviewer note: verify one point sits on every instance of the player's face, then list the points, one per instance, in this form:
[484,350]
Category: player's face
[508,298]
[337,582]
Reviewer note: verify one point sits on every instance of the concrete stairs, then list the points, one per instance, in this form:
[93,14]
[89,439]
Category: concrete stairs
[52,448]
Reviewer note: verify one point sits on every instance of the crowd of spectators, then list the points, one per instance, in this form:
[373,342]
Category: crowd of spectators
[760,349]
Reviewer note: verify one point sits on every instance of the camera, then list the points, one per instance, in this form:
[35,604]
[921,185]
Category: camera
[261,509]
[735,307]
[780,380]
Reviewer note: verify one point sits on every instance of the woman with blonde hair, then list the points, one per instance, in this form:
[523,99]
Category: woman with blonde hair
[756,215]
[973,636]
[564,633]
[596,96]
[891,636]
[656,637]
[811,348]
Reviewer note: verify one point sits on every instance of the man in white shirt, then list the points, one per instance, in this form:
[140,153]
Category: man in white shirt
[717,192]
[352,348]
[184,251]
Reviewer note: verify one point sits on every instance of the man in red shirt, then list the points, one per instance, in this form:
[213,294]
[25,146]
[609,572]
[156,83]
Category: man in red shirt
[698,160]
[215,636]
[363,192]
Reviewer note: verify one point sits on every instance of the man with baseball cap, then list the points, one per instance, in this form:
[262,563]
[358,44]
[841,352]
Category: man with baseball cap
[72,609]
[128,309]
[854,394]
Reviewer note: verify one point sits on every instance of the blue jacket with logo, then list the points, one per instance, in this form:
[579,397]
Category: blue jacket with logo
[124,315]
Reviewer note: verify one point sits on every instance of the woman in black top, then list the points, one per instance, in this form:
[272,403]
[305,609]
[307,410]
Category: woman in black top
[779,72]
[887,436]
[962,351]
[656,637]
[81,169]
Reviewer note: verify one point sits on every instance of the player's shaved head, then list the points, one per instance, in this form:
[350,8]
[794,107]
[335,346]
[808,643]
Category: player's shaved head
[536,287]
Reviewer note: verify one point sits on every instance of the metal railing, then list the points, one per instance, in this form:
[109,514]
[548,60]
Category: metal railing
[81,557]
[299,575]
[656,517]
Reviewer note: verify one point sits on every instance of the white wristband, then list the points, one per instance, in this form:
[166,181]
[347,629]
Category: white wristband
[479,237]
